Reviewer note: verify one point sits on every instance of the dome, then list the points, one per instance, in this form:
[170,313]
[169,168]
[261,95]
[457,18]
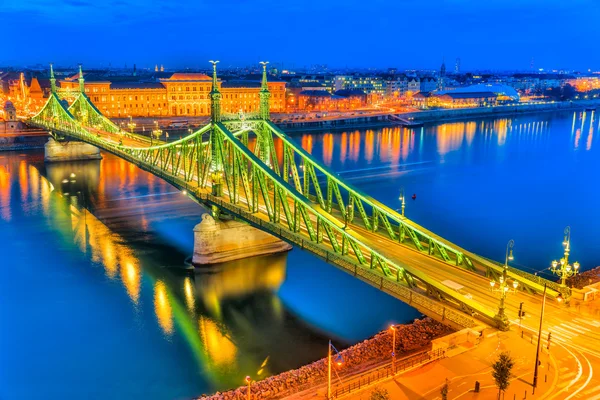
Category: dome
[8,105]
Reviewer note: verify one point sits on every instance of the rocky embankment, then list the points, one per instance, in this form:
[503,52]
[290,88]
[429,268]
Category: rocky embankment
[585,278]
[409,338]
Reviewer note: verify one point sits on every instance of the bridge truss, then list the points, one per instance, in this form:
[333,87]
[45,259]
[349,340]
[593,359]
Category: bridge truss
[232,166]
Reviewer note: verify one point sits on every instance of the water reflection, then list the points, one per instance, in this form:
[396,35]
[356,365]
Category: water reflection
[228,315]
[162,307]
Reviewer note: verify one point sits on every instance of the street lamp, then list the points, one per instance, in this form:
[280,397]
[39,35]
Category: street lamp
[155,132]
[131,125]
[248,382]
[393,328]
[401,198]
[562,268]
[338,360]
[348,216]
[504,287]
[560,299]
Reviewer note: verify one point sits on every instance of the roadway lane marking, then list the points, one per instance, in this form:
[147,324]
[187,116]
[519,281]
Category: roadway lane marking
[577,329]
[592,390]
[595,324]
[565,332]
[569,375]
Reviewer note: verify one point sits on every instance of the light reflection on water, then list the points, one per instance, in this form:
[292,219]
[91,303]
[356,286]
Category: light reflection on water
[111,253]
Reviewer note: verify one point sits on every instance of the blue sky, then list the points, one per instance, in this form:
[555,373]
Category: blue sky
[485,34]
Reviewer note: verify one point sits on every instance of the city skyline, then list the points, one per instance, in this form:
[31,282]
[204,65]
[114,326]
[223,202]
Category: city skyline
[496,35]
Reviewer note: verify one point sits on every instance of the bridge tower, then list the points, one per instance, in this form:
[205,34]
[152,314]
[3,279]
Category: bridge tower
[264,94]
[52,80]
[83,112]
[215,97]
[264,134]
[216,145]
[81,80]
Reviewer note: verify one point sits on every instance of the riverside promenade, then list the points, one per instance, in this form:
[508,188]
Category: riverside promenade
[410,339]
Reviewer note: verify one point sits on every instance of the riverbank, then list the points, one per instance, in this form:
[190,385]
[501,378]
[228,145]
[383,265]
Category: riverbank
[433,116]
[409,338]
[22,142]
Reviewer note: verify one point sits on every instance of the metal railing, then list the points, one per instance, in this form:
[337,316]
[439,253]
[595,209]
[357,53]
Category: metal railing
[387,371]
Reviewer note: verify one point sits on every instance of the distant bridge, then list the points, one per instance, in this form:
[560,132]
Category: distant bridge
[296,198]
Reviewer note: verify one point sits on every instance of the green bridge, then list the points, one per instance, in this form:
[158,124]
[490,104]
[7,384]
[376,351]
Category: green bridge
[231,166]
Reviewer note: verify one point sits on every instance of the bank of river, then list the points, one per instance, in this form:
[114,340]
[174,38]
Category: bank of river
[435,116]
[409,338]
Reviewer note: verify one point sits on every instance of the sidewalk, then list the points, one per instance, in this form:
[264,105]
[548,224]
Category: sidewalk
[465,369]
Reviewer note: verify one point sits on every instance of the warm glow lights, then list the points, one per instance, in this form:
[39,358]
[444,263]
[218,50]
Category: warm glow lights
[219,348]
[190,299]
[162,307]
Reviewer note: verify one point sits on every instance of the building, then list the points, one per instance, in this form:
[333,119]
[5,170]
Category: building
[442,77]
[455,99]
[428,84]
[421,100]
[464,99]
[322,100]
[372,86]
[180,94]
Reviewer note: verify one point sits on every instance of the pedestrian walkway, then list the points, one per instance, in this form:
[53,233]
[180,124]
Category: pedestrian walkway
[559,374]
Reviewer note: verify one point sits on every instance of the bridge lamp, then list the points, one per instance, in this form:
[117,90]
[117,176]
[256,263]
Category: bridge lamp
[504,287]
[401,198]
[562,268]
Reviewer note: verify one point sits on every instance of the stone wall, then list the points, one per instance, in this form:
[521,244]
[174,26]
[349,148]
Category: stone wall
[70,151]
[228,240]
[409,338]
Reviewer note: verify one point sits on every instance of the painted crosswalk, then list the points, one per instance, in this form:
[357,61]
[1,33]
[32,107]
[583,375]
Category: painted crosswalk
[567,331]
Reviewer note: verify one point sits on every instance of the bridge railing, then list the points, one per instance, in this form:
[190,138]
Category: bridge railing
[429,306]
[386,215]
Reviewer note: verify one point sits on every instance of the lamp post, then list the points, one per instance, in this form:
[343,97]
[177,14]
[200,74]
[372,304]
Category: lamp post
[155,132]
[248,381]
[393,328]
[338,361]
[504,287]
[559,298]
[401,198]
[131,125]
[348,216]
[562,268]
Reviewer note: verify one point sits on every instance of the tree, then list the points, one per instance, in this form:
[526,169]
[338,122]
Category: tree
[501,371]
[379,394]
[444,390]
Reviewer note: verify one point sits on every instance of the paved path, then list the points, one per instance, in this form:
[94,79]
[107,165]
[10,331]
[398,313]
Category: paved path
[563,374]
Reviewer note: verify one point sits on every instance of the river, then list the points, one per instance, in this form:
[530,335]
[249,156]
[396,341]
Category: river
[97,303]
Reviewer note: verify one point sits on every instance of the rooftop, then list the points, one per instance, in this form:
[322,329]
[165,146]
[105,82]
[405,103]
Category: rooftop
[188,76]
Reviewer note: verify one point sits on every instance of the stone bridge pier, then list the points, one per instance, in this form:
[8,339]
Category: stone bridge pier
[217,241]
[71,150]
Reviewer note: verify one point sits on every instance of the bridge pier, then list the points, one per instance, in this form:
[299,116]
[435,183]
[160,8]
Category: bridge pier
[217,241]
[73,150]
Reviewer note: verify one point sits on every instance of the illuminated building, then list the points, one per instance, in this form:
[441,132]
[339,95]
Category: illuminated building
[585,84]
[372,86]
[455,99]
[322,100]
[182,94]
